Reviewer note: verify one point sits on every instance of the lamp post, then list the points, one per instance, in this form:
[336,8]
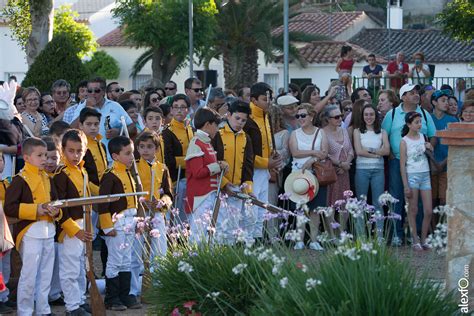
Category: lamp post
[191,41]
[285,46]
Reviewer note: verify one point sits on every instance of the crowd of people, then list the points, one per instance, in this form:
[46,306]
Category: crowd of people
[184,148]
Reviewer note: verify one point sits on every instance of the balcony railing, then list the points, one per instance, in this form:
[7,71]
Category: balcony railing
[385,83]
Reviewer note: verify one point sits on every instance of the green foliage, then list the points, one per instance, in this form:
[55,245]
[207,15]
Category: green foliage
[19,20]
[18,14]
[80,35]
[103,65]
[212,272]
[457,19]
[162,26]
[57,61]
[374,284]
[358,281]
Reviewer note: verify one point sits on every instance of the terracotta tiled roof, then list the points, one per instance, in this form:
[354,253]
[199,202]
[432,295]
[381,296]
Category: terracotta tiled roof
[322,52]
[436,46]
[113,38]
[328,24]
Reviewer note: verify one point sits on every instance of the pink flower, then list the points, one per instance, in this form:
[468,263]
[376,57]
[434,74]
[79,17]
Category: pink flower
[348,194]
[175,312]
[189,304]
[155,233]
[335,225]
[142,199]
[116,217]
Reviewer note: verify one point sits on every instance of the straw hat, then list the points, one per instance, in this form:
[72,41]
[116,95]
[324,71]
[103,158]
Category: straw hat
[301,186]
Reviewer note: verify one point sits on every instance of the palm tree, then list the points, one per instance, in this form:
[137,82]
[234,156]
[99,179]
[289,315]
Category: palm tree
[244,27]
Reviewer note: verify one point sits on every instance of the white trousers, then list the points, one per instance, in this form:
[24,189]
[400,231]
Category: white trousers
[159,246]
[228,221]
[5,270]
[72,272]
[120,247]
[55,291]
[38,259]
[260,190]
[200,220]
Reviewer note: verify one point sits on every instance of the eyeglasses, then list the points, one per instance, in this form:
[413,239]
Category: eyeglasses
[180,108]
[117,90]
[96,90]
[336,117]
[304,115]
[348,109]
[197,90]
[170,88]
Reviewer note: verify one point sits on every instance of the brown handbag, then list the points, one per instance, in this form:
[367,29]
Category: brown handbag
[324,170]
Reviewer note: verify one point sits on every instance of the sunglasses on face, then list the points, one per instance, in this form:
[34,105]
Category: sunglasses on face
[197,90]
[154,100]
[169,88]
[118,90]
[337,117]
[304,115]
[348,109]
[96,90]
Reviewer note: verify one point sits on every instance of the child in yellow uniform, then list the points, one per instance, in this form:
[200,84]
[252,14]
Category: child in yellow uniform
[27,199]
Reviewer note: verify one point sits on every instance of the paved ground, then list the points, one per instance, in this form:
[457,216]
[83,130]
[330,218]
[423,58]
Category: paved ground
[431,263]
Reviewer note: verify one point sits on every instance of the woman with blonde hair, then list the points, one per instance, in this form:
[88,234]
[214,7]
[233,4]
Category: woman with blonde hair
[309,144]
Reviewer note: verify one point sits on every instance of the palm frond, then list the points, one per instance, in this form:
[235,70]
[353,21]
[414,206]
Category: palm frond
[141,62]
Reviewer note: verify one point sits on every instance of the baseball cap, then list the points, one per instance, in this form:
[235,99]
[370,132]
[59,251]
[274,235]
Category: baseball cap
[287,100]
[408,87]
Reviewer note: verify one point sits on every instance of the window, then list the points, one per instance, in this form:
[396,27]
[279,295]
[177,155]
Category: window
[271,80]
[140,81]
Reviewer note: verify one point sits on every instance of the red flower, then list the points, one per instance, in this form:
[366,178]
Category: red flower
[175,312]
[189,305]
[299,265]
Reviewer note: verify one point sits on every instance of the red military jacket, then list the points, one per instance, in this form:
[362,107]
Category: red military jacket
[202,170]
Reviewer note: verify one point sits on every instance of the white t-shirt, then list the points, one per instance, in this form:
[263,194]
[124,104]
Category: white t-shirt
[305,142]
[370,140]
[419,77]
[416,158]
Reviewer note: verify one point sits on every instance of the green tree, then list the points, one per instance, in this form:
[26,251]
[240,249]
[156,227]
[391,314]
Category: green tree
[30,22]
[80,35]
[244,28]
[22,13]
[161,26]
[103,65]
[58,60]
[457,19]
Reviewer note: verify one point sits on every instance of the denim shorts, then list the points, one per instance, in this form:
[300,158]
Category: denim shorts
[419,180]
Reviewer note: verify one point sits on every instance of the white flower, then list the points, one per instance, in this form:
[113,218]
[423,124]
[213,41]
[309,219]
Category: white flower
[293,235]
[351,253]
[311,283]
[301,220]
[304,268]
[368,247]
[213,295]
[238,269]
[386,198]
[185,267]
[444,209]
[284,282]
[155,233]
[345,237]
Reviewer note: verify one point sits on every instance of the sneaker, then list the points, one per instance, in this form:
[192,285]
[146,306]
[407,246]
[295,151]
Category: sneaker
[426,246]
[299,245]
[57,302]
[396,242]
[78,312]
[417,247]
[117,307]
[4,309]
[315,246]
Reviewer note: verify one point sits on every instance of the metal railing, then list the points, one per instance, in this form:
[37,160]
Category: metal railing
[385,83]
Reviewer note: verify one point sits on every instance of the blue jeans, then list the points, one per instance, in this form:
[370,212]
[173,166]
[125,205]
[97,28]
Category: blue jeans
[395,188]
[376,179]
